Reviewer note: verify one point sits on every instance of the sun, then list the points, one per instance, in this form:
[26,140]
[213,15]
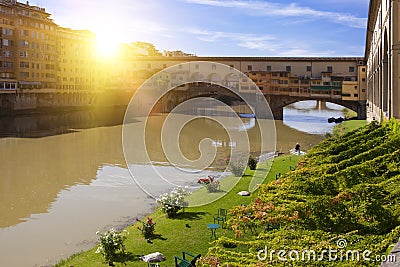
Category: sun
[106,46]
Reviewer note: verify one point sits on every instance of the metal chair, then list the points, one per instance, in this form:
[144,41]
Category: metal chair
[184,261]
[220,217]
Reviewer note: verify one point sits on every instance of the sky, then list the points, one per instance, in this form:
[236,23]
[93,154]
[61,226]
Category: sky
[274,28]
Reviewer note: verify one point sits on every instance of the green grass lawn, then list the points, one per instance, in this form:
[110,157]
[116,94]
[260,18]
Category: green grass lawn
[348,126]
[172,234]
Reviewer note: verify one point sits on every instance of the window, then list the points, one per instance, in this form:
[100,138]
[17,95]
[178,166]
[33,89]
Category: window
[24,74]
[309,68]
[249,67]
[269,68]
[351,69]
[23,54]
[24,43]
[329,69]
[355,95]
[288,68]
[7,42]
[7,31]
[363,79]
[7,53]
[7,64]
[363,69]
[23,64]
[363,90]
[24,33]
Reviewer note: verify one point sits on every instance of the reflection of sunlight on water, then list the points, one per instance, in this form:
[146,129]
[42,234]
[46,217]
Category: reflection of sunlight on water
[306,117]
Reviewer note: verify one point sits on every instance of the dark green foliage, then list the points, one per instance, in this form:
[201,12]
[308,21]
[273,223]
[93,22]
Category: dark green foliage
[252,163]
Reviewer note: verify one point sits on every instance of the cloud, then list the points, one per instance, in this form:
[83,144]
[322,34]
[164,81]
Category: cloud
[251,41]
[264,8]
[266,43]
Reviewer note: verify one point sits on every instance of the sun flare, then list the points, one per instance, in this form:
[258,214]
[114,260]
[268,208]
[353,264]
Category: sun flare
[106,46]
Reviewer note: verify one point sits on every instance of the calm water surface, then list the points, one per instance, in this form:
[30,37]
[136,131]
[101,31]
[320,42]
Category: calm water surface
[63,177]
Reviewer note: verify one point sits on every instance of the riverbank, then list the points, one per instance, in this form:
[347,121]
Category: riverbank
[348,126]
[188,231]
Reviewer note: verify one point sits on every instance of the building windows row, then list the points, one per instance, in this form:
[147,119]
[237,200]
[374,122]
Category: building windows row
[6,22]
[36,25]
[289,68]
[7,86]
[6,75]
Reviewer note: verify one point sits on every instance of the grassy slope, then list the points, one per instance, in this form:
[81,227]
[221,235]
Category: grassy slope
[348,186]
[348,126]
[173,235]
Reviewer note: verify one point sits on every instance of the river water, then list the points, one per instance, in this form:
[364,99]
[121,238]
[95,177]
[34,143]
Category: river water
[63,176]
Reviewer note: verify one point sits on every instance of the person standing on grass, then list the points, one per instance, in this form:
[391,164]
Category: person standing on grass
[297,148]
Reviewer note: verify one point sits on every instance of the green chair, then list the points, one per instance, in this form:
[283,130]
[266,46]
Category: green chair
[187,260]
[220,217]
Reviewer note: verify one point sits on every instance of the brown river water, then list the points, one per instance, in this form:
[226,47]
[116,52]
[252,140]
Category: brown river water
[64,176]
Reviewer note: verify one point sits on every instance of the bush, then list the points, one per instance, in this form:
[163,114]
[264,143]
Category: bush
[173,201]
[237,168]
[252,163]
[147,227]
[110,242]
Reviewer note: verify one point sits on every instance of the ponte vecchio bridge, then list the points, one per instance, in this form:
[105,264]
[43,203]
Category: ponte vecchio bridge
[281,81]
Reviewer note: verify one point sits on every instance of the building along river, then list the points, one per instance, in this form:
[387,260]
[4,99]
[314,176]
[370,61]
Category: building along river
[64,177]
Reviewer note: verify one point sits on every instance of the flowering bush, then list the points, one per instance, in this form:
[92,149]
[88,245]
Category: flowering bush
[147,227]
[173,201]
[259,214]
[110,242]
[210,183]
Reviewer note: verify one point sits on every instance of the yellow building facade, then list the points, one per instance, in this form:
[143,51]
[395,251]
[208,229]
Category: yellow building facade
[382,54]
[75,61]
[28,46]
[38,54]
